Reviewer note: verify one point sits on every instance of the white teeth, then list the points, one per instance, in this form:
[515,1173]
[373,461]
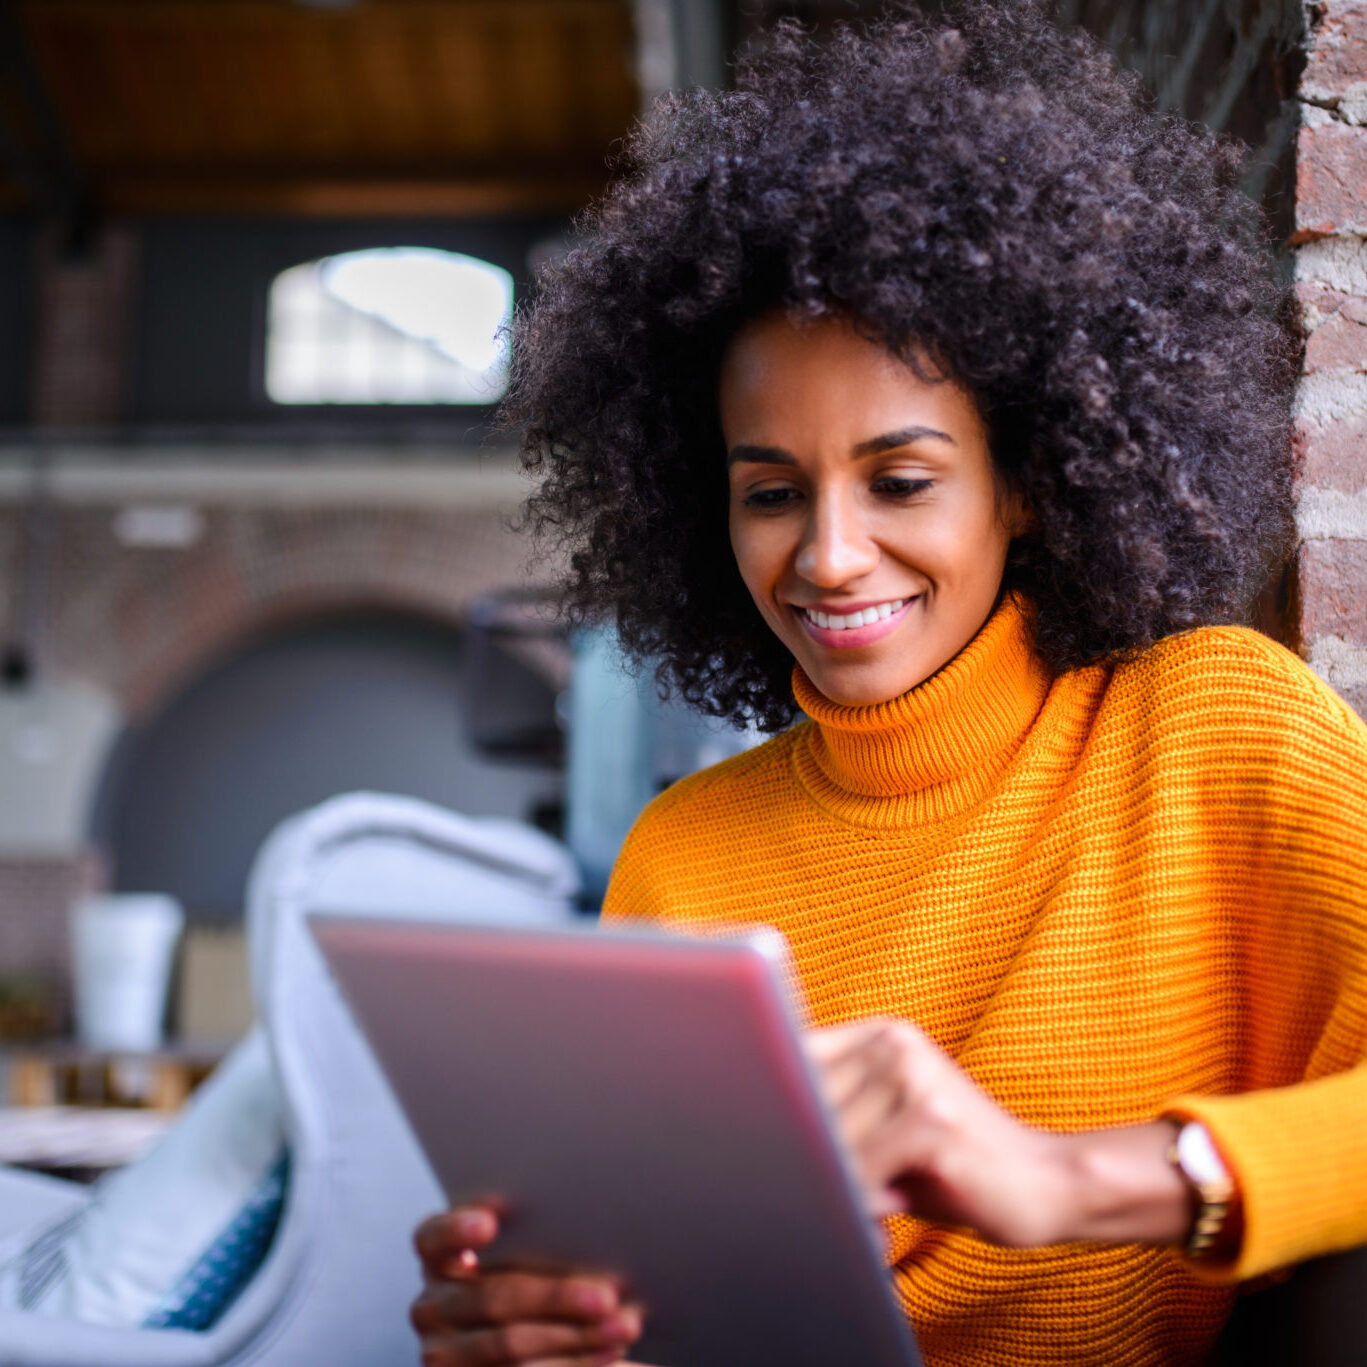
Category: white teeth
[835,621]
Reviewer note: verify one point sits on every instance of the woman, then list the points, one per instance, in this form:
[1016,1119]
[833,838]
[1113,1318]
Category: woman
[931,385]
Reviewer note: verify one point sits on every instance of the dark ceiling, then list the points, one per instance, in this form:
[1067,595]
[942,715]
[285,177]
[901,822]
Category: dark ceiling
[370,109]
[373,108]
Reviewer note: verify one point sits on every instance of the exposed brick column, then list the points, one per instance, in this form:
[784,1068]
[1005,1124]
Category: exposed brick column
[1331,405]
[84,310]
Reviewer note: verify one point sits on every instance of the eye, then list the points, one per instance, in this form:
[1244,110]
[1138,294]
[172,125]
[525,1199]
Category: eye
[769,500]
[899,487]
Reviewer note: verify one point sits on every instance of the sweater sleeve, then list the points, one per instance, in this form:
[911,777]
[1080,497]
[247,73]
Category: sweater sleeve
[1299,1159]
[633,888]
[1297,1151]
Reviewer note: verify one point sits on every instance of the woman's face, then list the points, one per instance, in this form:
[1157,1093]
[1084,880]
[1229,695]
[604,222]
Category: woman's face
[867,518]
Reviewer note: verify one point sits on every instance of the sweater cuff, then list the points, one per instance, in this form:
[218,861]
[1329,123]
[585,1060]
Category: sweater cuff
[1299,1161]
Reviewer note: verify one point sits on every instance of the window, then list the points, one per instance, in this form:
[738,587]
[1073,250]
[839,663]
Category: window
[394,325]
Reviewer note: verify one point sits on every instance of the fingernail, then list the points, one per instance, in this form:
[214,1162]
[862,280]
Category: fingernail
[472,1224]
[624,1325]
[591,1298]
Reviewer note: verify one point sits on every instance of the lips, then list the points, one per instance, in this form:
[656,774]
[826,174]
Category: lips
[847,621]
[859,626]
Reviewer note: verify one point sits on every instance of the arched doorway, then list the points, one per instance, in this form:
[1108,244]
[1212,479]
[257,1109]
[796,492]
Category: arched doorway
[362,700]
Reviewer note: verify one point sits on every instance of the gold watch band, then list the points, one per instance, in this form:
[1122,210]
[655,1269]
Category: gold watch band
[1211,1187]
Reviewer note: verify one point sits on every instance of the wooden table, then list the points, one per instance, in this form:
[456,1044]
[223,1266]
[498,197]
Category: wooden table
[61,1072]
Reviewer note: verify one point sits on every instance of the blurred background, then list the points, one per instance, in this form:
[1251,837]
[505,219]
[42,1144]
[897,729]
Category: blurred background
[255,542]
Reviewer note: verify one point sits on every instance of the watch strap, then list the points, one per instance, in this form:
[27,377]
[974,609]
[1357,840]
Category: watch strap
[1195,1157]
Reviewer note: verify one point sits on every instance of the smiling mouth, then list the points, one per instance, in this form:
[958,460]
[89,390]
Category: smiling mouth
[834,621]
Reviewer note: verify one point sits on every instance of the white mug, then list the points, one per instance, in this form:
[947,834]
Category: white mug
[122,947]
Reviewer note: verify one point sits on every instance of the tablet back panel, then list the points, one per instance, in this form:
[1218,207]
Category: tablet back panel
[640,1103]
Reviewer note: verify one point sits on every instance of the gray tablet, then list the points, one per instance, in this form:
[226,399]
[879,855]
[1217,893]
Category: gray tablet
[639,1103]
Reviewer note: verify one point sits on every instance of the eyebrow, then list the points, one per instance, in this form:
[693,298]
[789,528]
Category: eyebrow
[888,441]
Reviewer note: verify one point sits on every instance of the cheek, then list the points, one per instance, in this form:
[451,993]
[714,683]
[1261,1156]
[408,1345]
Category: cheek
[739,546]
[760,558]
[743,551]
[979,540]
[747,543]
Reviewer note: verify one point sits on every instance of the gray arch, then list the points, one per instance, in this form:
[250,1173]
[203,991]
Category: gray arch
[363,700]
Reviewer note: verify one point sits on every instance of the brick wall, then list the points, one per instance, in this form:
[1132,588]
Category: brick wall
[138,621]
[1330,235]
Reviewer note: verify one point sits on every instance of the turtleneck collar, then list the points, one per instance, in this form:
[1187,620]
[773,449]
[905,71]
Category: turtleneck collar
[938,749]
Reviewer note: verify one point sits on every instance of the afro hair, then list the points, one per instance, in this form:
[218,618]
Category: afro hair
[981,187]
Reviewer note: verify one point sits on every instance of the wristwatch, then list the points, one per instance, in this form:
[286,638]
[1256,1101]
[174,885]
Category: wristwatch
[1194,1155]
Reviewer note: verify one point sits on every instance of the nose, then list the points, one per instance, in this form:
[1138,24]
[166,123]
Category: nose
[837,548]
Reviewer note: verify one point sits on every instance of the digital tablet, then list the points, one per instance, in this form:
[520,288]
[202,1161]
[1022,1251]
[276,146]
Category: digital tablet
[639,1103]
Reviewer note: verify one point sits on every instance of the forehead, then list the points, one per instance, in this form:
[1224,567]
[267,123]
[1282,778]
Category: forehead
[824,378]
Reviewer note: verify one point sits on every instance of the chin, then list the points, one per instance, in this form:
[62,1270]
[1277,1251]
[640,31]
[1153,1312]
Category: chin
[859,692]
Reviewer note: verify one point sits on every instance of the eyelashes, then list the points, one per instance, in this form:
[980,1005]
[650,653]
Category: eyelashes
[769,500]
[776,499]
[897,487]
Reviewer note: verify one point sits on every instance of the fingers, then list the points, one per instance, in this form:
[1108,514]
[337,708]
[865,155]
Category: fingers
[840,1050]
[868,1080]
[830,1042]
[441,1239]
[536,1343]
[862,1072]
[589,1360]
[498,1298]
[458,1354]
[869,1071]
[472,1316]
[609,1358]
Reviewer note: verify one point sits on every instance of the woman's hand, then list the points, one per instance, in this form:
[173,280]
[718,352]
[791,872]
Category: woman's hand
[927,1140]
[468,1316]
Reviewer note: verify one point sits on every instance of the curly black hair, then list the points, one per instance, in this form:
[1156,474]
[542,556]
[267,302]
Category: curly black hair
[981,187]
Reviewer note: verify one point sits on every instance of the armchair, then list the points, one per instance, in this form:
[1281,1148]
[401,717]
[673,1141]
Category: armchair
[336,1284]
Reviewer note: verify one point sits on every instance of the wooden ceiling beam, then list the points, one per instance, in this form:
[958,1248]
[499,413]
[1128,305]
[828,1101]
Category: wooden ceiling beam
[383,108]
[350,197]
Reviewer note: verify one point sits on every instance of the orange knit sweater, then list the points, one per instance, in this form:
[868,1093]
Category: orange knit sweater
[1112,895]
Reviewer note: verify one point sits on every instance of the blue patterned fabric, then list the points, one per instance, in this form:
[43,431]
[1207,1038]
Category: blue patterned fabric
[213,1281]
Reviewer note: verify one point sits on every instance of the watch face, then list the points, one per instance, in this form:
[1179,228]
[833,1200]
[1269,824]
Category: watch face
[1197,1155]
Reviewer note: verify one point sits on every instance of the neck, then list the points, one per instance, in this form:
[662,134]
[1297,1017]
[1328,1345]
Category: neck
[939,748]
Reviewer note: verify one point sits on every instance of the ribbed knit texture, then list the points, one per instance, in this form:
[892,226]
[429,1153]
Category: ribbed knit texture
[1126,892]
